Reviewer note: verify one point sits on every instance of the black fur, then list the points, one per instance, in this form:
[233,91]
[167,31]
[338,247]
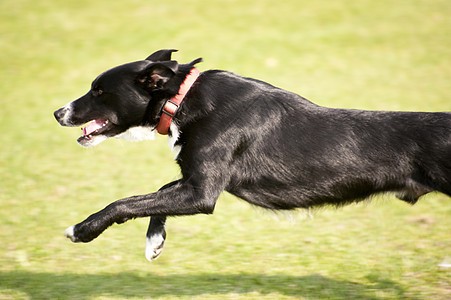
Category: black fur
[266,145]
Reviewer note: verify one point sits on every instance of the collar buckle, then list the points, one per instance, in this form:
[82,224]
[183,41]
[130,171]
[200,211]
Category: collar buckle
[172,105]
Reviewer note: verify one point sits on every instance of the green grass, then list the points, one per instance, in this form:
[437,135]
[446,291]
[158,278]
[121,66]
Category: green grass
[361,54]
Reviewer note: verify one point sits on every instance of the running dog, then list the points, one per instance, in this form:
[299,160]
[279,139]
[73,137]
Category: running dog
[269,147]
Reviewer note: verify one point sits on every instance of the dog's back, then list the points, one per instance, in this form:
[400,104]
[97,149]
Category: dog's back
[285,152]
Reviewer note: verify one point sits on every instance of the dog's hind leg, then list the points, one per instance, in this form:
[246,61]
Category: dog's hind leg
[156,235]
[411,197]
[420,185]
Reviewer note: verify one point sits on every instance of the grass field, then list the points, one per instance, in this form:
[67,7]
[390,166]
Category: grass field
[386,55]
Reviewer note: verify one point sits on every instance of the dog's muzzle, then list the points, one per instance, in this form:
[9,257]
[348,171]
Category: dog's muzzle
[61,115]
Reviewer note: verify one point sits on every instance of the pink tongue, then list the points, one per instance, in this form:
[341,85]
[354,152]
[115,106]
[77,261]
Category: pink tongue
[93,126]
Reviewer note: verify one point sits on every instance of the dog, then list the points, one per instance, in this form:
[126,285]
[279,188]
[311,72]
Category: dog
[267,146]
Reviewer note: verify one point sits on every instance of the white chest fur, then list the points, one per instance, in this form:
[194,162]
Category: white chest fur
[137,134]
[172,139]
[142,133]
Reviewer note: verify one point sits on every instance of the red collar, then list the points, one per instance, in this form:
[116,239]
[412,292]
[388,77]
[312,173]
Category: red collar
[172,105]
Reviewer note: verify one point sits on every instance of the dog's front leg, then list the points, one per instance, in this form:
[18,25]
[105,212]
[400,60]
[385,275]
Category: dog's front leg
[156,235]
[180,198]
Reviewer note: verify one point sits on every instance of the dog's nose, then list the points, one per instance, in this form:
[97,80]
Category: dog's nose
[60,113]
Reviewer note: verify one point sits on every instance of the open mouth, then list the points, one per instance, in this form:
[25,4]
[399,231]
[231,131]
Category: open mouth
[93,128]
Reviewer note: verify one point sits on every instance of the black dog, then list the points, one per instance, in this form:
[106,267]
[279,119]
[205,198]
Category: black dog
[263,144]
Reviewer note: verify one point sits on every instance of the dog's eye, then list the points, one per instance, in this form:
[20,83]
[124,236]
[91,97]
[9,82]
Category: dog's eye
[96,92]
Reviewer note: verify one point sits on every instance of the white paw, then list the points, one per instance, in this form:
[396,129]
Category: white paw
[69,233]
[154,246]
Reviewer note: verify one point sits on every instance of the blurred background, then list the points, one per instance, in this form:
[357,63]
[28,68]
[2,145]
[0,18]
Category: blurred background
[380,55]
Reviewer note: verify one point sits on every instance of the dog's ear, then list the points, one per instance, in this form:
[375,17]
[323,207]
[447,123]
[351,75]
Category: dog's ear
[161,55]
[157,74]
[196,61]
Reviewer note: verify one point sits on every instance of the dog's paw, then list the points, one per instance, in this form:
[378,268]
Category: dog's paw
[79,234]
[69,233]
[154,246]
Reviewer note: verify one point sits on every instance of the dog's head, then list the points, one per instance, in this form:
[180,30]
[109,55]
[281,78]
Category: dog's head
[125,101]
